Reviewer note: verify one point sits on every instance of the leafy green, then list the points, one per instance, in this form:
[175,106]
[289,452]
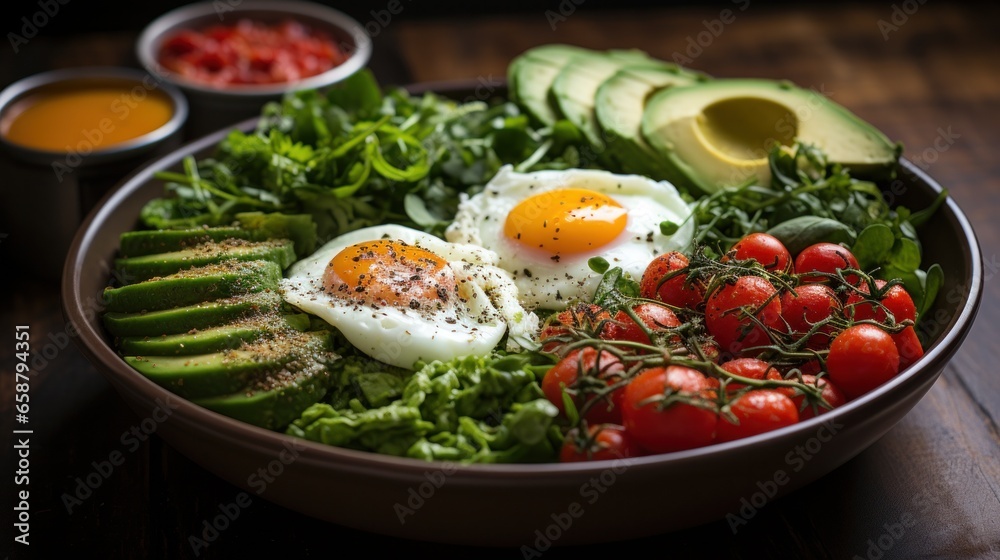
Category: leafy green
[473,409]
[355,157]
[616,289]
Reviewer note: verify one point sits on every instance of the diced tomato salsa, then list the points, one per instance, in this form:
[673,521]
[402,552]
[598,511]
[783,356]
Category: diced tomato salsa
[250,52]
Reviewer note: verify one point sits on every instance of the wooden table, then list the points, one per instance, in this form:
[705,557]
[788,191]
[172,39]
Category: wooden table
[932,484]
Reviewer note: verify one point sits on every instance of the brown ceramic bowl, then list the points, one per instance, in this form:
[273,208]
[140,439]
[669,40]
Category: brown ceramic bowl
[515,505]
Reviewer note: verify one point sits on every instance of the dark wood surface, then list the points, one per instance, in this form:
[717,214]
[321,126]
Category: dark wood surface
[929,489]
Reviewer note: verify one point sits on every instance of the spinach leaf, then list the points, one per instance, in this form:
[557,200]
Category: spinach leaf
[798,233]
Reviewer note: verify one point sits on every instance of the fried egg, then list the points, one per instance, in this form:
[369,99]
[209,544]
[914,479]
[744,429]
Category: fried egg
[400,295]
[546,225]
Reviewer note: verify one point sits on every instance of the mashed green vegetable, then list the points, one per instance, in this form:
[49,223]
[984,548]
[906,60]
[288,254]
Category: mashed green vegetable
[473,409]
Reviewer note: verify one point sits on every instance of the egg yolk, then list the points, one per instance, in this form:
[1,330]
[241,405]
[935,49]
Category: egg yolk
[388,272]
[566,221]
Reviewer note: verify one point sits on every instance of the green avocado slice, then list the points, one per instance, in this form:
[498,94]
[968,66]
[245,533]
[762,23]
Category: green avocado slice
[215,339]
[151,242]
[201,315]
[191,286]
[230,371]
[575,87]
[277,401]
[531,74]
[137,269]
[618,107]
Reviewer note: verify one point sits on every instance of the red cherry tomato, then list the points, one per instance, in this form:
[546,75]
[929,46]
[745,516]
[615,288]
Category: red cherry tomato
[711,351]
[757,411]
[807,305]
[674,427]
[862,358]
[583,316]
[896,300]
[765,249]
[824,257]
[831,394]
[657,318]
[606,442]
[909,347]
[726,322]
[751,368]
[587,362]
[672,291]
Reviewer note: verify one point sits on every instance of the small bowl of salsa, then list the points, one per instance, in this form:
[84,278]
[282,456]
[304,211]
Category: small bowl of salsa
[230,58]
[68,136]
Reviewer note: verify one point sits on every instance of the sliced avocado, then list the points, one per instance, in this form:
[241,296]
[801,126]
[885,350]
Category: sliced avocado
[277,400]
[229,371]
[215,339]
[719,133]
[575,87]
[199,316]
[150,242]
[531,74]
[194,285]
[137,269]
[300,228]
[618,106]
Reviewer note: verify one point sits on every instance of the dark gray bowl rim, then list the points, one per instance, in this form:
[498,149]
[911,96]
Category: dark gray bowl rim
[152,36]
[94,344]
[24,86]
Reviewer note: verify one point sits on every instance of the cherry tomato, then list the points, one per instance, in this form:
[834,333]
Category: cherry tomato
[657,318]
[896,300]
[824,257]
[765,249]
[724,317]
[807,305]
[757,411]
[565,374]
[607,442]
[679,425]
[672,291]
[862,358]
[584,316]
[751,368]
[831,394]
[711,351]
[908,345]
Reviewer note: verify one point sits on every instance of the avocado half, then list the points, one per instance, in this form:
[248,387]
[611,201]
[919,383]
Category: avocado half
[718,134]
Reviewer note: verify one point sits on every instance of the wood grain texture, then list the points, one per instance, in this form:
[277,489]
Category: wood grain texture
[938,469]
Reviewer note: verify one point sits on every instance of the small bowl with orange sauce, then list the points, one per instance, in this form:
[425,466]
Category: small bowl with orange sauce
[68,136]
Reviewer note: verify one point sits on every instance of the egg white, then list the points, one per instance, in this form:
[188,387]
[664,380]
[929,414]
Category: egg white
[487,304]
[550,283]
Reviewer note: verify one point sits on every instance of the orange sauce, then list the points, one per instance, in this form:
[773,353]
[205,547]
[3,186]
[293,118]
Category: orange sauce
[85,115]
